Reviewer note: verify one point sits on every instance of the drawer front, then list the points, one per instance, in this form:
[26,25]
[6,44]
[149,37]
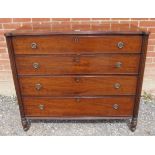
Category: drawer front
[76,107]
[78,85]
[76,43]
[78,64]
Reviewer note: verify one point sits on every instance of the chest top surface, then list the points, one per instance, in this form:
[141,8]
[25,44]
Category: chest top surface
[60,30]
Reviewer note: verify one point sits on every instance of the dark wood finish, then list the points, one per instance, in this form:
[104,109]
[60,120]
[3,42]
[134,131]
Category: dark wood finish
[78,64]
[78,118]
[74,44]
[76,74]
[140,82]
[78,85]
[40,31]
[25,123]
[75,107]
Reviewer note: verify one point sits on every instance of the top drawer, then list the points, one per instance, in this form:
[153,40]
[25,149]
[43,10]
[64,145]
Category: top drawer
[77,43]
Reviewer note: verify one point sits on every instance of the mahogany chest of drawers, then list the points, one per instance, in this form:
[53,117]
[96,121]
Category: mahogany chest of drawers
[77,74]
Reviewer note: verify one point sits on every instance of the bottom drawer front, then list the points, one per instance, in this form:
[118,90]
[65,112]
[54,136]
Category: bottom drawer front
[78,107]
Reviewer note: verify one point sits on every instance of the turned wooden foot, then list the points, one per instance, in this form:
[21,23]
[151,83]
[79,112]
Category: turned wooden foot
[133,124]
[26,124]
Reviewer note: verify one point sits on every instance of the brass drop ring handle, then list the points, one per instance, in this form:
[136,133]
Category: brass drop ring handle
[77,58]
[76,39]
[41,106]
[120,44]
[117,85]
[118,64]
[77,99]
[115,106]
[36,65]
[33,45]
[38,86]
[77,79]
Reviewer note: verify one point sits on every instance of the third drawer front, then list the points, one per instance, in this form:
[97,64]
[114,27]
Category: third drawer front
[76,107]
[78,85]
[78,64]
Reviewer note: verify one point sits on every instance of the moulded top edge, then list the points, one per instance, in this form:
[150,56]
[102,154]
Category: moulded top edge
[29,33]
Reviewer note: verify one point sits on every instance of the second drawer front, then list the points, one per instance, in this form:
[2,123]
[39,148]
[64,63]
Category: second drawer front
[78,64]
[84,107]
[78,85]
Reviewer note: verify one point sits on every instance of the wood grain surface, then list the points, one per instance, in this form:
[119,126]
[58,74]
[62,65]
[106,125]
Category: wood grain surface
[73,107]
[78,85]
[77,43]
[78,64]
